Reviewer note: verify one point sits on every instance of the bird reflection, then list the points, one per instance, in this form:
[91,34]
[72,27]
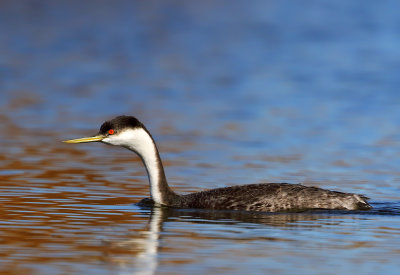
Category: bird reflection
[146,242]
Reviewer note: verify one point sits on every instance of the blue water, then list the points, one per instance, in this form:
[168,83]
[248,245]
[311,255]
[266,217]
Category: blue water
[233,92]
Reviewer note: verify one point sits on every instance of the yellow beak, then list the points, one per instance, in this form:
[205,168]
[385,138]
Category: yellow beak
[85,139]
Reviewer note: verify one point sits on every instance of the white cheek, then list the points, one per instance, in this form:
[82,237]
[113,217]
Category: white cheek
[112,140]
[136,140]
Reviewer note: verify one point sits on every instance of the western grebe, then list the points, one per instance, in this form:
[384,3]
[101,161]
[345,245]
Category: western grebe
[129,132]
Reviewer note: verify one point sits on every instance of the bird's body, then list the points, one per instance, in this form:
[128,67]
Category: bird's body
[269,197]
[272,197]
[128,132]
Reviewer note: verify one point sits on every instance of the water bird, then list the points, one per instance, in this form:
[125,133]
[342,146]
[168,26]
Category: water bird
[129,132]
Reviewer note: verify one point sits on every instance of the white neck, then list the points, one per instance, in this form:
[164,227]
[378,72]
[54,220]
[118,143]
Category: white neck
[140,141]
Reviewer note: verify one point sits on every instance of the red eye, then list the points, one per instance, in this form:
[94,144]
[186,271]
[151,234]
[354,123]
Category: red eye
[111,132]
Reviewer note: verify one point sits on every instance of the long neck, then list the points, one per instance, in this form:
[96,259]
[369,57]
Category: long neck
[144,145]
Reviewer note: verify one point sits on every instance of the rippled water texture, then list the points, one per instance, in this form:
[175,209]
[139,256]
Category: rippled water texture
[233,92]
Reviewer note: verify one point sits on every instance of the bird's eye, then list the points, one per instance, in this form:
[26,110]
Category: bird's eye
[111,132]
